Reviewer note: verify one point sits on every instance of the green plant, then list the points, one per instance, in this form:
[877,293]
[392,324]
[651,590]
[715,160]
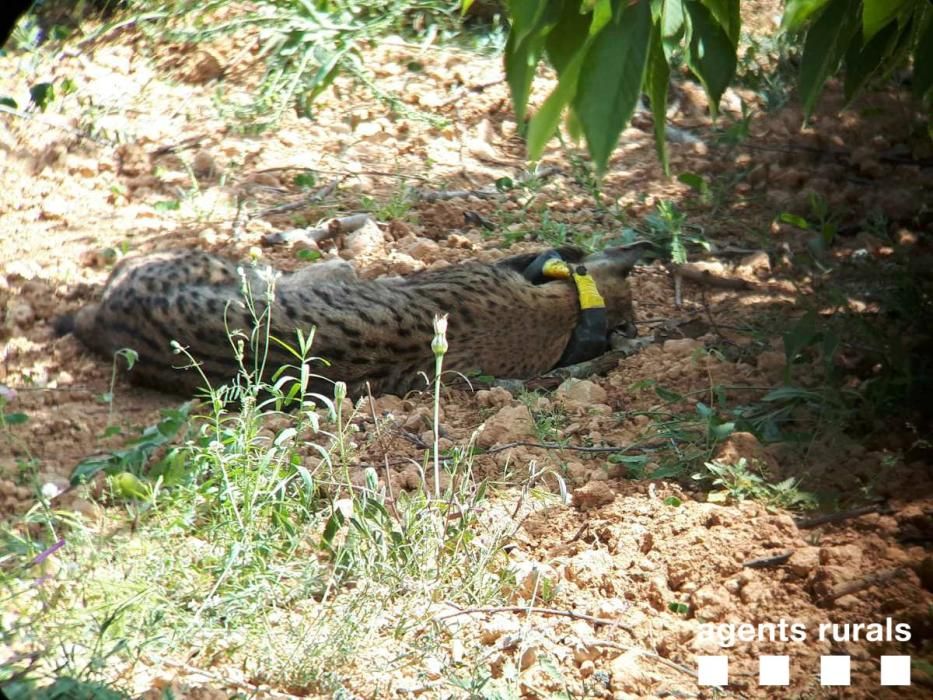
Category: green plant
[307,44]
[549,421]
[608,53]
[823,223]
[259,516]
[737,482]
[738,130]
[666,227]
[135,457]
[397,208]
[869,39]
[766,66]
[129,356]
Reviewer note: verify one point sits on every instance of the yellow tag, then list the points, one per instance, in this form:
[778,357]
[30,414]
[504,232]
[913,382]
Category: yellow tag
[589,295]
[556,269]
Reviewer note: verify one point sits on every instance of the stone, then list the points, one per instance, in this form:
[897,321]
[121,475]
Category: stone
[583,391]
[509,424]
[681,347]
[593,495]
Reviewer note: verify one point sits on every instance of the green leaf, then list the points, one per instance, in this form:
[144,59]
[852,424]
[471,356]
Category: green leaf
[722,431]
[610,80]
[308,254]
[802,335]
[694,182]
[573,30]
[791,393]
[602,13]
[521,60]
[797,12]
[15,418]
[657,79]
[668,395]
[526,16]
[305,180]
[531,23]
[673,501]
[923,60]
[672,26]
[710,54]
[8,102]
[726,13]
[331,528]
[42,94]
[824,48]
[876,14]
[794,220]
[544,123]
[863,60]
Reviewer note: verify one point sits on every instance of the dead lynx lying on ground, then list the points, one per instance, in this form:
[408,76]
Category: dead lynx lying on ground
[505,319]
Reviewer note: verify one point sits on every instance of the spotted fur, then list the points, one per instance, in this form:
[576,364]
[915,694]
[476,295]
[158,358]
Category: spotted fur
[375,332]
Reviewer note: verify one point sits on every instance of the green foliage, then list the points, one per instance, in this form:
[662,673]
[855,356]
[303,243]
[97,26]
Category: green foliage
[608,52]
[62,689]
[668,230]
[308,43]
[135,457]
[245,515]
[738,482]
[868,39]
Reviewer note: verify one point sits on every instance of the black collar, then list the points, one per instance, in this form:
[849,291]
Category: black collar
[590,337]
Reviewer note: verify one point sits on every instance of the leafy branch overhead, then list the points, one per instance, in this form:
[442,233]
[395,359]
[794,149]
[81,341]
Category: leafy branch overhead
[607,53]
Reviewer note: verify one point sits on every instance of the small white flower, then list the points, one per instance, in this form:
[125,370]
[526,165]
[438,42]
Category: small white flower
[50,491]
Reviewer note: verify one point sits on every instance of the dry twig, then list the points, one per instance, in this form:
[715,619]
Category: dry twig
[768,562]
[827,518]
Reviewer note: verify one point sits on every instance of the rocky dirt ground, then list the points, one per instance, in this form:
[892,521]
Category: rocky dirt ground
[143,157]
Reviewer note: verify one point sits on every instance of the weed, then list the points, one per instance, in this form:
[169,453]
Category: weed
[548,421]
[397,208]
[129,356]
[737,482]
[739,130]
[666,227]
[307,45]
[766,66]
[258,516]
[822,222]
[583,174]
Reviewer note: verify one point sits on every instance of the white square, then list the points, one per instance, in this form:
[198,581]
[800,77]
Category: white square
[895,670]
[774,670]
[834,670]
[713,670]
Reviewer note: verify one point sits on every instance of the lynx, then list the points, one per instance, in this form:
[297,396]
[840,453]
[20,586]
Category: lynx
[366,332]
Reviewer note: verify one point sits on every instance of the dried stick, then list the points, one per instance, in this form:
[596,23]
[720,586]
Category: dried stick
[310,200]
[330,229]
[768,562]
[597,366]
[826,518]
[603,449]
[704,277]
[422,195]
[850,587]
